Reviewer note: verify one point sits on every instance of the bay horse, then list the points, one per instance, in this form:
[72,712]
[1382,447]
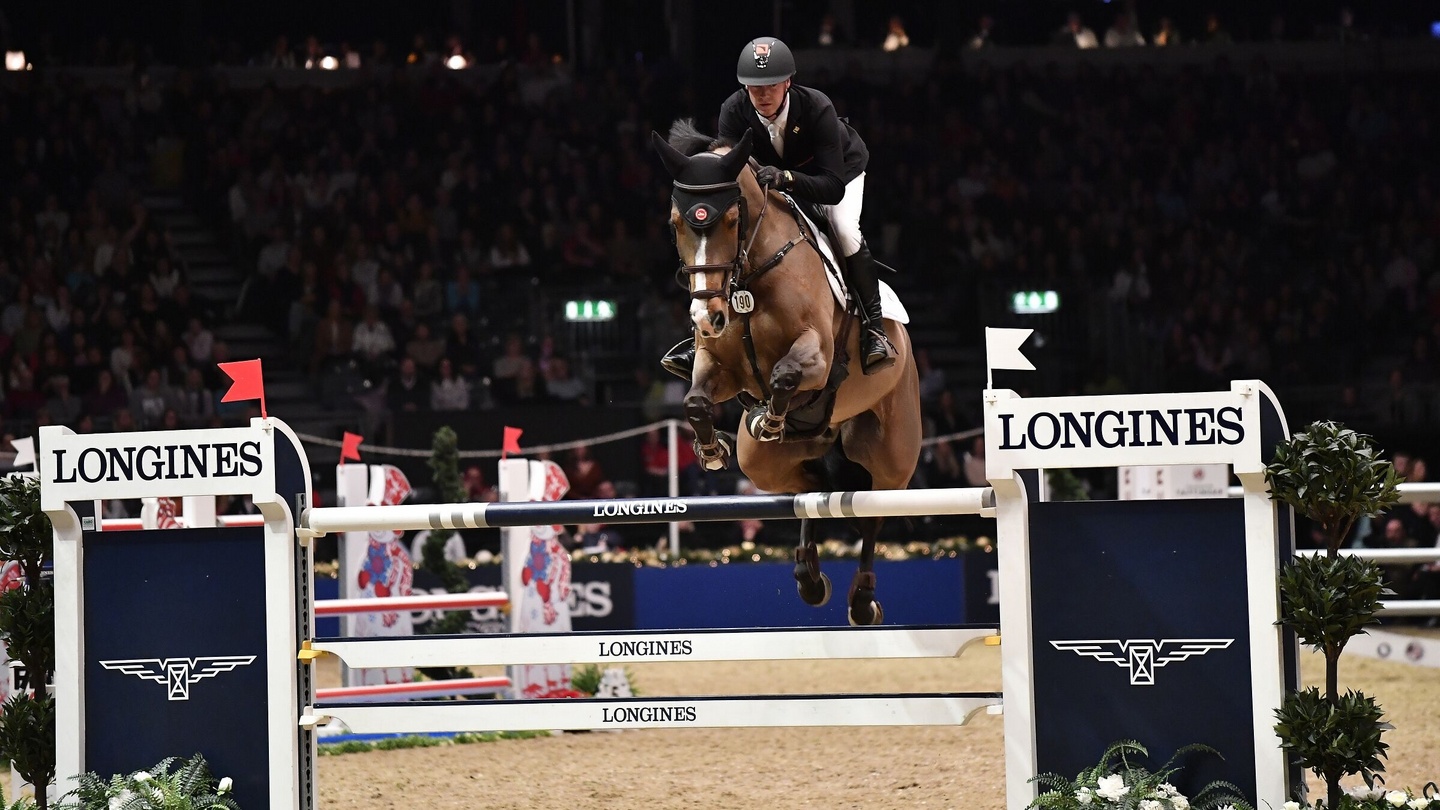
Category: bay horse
[769,331]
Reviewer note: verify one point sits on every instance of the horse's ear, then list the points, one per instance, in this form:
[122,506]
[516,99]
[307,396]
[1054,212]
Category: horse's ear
[734,160]
[669,155]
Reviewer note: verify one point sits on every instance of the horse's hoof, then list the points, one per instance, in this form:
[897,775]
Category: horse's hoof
[871,614]
[814,592]
[762,427]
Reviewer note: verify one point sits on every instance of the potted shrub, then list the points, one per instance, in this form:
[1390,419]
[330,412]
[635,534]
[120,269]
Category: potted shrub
[1332,475]
[27,623]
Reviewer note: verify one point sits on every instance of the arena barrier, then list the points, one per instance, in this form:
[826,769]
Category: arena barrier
[1135,619]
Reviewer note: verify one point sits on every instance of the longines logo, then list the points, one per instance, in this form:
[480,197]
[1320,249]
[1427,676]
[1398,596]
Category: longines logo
[1141,656]
[178,673]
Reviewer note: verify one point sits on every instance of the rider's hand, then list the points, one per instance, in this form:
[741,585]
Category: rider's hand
[771,177]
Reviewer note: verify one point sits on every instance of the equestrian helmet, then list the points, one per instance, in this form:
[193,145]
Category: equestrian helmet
[765,60]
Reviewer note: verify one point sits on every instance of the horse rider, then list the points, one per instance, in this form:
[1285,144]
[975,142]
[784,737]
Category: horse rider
[807,150]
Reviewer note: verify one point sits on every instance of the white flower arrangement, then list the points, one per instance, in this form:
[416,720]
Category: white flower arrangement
[1116,782]
[1367,797]
[173,784]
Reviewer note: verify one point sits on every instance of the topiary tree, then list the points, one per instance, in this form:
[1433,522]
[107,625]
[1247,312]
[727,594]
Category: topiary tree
[27,623]
[1332,475]
[445,469]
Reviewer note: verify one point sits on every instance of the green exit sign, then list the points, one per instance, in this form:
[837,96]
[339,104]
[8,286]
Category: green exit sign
[1034,302]
[590,310]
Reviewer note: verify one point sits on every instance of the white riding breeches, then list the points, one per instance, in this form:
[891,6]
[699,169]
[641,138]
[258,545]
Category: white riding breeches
[845,216]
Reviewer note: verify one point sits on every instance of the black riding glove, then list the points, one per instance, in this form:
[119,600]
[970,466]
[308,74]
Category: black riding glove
[771,177]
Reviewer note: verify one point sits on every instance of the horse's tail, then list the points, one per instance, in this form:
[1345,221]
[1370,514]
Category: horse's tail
[686,139]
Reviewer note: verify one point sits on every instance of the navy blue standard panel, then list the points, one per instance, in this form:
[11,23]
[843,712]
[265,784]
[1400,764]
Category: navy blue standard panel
[175,653]
[1147,601]
[763,594]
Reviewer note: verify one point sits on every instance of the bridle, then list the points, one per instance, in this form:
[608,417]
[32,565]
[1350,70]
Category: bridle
[702,205]
[708,203]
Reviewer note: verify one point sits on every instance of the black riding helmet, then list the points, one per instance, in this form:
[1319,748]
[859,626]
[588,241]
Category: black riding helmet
[765,60]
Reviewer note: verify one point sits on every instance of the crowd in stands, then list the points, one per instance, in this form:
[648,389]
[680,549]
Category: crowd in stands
[1248,222]
[99,328]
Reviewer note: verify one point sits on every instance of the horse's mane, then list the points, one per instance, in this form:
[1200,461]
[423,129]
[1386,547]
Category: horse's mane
[689,141]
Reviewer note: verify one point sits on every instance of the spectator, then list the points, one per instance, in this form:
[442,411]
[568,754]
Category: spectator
[195,403]
[1214,32]
[428,294]
[585,474]
[561,385]
[829,35]
[372,341]
[425,349]
[406,393]
[334,338]
[462,347]
[149,402]
[106,397]
[510,367]
[462,294]
[1076,34]
[895,36]
[984,36]
[477,489]
[199,341]
[1123,34]
[449,392]
[65,408]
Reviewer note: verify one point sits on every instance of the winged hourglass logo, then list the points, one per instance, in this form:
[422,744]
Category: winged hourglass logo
[178,673]
[1142,656]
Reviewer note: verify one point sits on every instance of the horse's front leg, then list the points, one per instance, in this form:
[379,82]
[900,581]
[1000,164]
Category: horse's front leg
[713,448]
[805,367]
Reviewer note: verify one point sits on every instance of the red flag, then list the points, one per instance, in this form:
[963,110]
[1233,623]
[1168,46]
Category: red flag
[350,446]
[512,441]
[249,382]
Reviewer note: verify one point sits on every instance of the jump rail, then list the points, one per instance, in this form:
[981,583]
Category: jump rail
[415,689]
[882,503]
[1418,492]
[741,711]
[135,524]
[765,644]
[386,604]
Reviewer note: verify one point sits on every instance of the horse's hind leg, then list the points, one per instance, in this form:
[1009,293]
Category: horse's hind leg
[814,586]
[864,609]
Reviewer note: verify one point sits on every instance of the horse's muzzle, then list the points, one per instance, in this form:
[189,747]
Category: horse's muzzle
[709,321]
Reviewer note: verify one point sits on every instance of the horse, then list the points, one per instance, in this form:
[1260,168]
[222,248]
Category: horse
[770,332]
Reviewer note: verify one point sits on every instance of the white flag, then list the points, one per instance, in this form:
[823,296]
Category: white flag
[1002,349]
[24,451]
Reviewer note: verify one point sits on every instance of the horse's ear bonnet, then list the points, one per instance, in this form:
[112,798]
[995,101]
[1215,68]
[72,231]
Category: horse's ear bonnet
[707,184]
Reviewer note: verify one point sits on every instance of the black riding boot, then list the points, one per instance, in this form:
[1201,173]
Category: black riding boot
[680,360]
[876,353]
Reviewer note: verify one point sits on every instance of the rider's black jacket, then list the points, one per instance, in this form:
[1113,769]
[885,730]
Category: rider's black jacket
[822,152]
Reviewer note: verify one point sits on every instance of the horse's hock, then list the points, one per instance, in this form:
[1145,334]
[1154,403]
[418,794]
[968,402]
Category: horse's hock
[1100,638]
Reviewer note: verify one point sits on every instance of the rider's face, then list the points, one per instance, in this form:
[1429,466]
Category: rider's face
[767,98]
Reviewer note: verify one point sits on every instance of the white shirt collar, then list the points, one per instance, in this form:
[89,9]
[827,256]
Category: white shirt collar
[776,128]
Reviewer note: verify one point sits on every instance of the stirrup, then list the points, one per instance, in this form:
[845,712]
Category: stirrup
[873,361]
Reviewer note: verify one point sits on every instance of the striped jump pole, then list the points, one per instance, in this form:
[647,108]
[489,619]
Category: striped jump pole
[881,503]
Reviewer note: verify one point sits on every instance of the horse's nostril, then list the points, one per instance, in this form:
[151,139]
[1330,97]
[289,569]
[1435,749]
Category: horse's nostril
[717,320]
